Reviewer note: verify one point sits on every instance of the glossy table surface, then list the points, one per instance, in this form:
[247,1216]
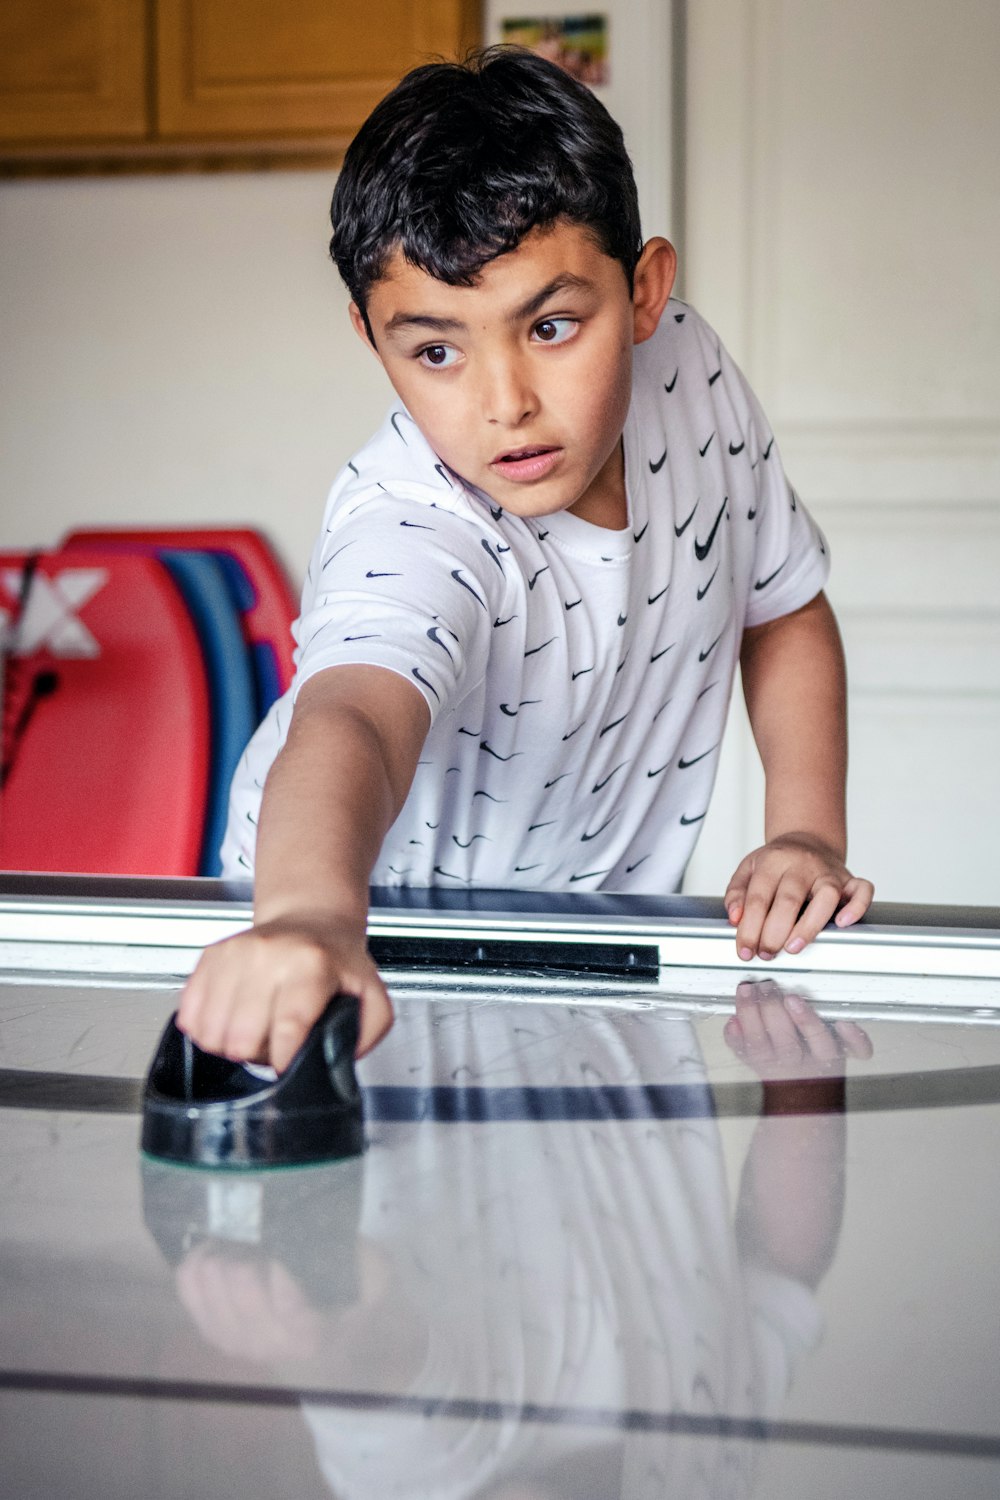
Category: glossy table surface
[600,1244]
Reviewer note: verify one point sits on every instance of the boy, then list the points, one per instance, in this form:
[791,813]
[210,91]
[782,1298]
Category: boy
[524,612]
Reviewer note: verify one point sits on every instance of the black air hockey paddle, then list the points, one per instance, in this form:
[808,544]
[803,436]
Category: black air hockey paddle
[200,1110]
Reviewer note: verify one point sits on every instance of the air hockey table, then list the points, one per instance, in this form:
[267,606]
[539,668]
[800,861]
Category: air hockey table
[602,1242]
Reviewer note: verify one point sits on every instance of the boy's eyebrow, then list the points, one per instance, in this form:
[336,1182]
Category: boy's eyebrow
[562,283]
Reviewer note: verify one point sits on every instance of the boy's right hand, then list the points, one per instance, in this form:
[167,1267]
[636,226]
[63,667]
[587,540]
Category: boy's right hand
[255,997]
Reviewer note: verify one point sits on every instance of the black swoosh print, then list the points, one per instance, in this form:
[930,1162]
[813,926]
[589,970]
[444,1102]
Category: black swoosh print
[456,573]
[657,654]
[458,841]
[652,598]
[637,536]
[372,636]
[520,869]
[371,574]
[434,634]
[354,469]
[574,731]
[683,764]
[535,649]
[659,770]
[613,725]
[573,603]
[549,823]
[498,622]
[708,445]
[655,465]
[416,526]
[669,388]
[713,378]
[489,795]
[680,530]
[588,875]
[444,476]
[555,779]
[449,875]
[495,754]
[642,861]
[585,838]
[392,419]
[735,448]
[686,822]
[599,784]
[513,712]
[496,511]
[421,678]
[491,554]
[704,591]
[582,672]
[762,583]
[337,553]
[704,655]
[767,451]
[702,549]
[533,581]
[622,619]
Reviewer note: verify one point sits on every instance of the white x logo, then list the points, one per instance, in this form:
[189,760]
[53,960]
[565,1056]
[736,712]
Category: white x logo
[48,618]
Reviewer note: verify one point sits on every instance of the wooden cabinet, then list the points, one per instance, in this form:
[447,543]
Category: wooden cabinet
[119,84]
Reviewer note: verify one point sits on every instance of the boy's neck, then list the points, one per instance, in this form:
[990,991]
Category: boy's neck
[605,503]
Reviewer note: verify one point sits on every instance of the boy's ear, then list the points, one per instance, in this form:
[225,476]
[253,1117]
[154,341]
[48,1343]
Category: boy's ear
[362,330]
[652,285]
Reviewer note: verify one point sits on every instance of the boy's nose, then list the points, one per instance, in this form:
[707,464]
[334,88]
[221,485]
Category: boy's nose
[509,398]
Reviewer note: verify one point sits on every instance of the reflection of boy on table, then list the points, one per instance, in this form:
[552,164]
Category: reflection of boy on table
[588,1266]
[524,613]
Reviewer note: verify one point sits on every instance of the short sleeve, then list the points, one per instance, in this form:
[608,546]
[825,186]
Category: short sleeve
[791,556]
[401,585]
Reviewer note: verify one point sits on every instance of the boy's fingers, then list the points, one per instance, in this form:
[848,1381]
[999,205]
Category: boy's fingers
[376,1016]
[860,894]
[822,904]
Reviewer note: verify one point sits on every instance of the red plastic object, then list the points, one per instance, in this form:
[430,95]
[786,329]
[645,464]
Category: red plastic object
[268,620]
[105,718]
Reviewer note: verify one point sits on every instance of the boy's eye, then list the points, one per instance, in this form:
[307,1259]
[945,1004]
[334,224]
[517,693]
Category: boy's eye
[555,330]
[438,356]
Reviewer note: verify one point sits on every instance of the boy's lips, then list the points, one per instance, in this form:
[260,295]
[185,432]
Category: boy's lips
[532,461]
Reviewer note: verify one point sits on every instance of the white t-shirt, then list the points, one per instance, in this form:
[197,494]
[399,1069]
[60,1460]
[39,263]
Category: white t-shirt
[577,678]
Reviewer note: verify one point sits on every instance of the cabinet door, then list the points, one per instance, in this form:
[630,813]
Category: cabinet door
[72,70]
[264,68]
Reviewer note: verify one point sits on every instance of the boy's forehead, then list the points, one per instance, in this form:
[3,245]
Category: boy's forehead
[563,252]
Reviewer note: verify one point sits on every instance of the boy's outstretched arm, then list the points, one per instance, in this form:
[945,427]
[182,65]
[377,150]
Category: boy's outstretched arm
[785,892]
[331,795]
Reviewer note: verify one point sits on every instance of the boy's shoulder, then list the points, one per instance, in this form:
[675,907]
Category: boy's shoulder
[684,375]
[398,464]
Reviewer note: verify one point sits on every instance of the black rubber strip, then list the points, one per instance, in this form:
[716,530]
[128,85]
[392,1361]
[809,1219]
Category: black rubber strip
[689,1424]
[951,1088]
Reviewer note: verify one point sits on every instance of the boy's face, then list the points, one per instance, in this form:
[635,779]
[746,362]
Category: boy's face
[522,382]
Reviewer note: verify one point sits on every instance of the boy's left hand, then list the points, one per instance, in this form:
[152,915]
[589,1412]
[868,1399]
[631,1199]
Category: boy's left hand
[785,892]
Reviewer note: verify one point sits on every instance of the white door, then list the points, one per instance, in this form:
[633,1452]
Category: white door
[843,235]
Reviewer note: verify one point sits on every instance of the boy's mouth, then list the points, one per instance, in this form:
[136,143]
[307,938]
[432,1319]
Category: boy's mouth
[533,461]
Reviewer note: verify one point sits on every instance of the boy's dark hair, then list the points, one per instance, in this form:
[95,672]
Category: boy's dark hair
[461,160]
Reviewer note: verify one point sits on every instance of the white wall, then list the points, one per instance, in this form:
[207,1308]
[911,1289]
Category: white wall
[175,349]
[843,223]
